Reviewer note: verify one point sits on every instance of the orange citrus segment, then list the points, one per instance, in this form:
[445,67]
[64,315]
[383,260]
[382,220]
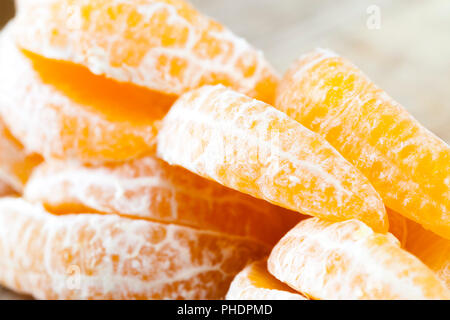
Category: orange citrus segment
[16,164]
[61,110]
[398,226]
[150,188]
[250,146]
[89,256]
[433,250]
[254,282]
[164,45]
[407,164]
[348,260]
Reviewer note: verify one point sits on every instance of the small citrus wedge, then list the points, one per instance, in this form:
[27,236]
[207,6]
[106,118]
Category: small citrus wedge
[250,146]
[61,110]
[348,260]
[164,45]
[407,164]
[90,256]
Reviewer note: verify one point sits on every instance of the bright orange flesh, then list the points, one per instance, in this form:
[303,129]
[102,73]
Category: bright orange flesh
[407,164]
[433,250]
[89,256]
[249,146]
[151,189]
[164,45]
[254,282]
[61,110]
[398,226]
[16,164]
[348,260]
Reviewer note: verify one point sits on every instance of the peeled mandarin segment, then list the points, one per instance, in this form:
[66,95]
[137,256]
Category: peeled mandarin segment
[16,164]
[251,147]
[151,189]
[165,45]
[348,260]
[398,226]
[61,110]
[431,249]
[407,164]
[254,282]
[89,256]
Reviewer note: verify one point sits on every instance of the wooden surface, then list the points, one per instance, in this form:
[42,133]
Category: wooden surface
[409,56]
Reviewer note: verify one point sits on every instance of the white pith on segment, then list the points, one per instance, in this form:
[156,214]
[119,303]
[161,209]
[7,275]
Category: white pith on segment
[249,146]
[90,256]
[149,188]
[348,260]
[60,30]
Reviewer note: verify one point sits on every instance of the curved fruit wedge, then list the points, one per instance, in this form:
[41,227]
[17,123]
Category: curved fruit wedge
[348,260]
[250,146]
[254,282]
[89,256]
[433,250]
[16,164]
[407,164]
[61,110]
[164,45]
[151,189]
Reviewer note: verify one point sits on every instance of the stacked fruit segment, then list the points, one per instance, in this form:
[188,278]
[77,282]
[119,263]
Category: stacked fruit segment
[148,188]
[348,260]
[249,146]
[90,256]
[406,163]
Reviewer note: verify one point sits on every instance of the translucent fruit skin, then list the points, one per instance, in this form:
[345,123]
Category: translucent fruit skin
[251,147]
[407,164]
[149,188]
[254,282]
[431,249]
[348,260]
[89,256]
[16,164]
[164,45]
[58,118]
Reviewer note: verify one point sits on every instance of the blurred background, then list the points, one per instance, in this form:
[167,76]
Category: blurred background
[403,45]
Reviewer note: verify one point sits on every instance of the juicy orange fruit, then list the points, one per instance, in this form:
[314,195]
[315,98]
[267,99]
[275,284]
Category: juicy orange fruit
[250,146]
[89,256]
[151,189]
[16,164]
[164,45]
[348,260]
[61,110]
[398,226]
[407,164]
[254,282]
[432,249]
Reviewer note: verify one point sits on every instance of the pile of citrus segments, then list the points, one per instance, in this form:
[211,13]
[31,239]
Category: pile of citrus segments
[147,152]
